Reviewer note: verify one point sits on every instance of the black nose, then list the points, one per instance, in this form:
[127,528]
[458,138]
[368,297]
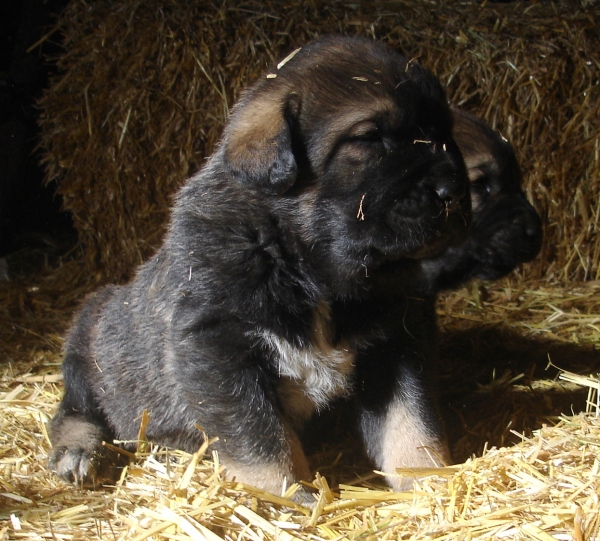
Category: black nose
[532,227]
[450,192]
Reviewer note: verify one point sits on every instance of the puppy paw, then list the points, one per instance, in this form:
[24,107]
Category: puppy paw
[85,467]
[73,465]
[304,497]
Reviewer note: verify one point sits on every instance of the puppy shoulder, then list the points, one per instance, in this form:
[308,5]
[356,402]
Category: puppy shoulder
[230,252]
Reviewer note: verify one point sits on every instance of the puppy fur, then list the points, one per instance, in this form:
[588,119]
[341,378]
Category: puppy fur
[505,232]
[275,288]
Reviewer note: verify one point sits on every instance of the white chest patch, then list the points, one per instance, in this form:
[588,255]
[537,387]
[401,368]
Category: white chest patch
[311,376]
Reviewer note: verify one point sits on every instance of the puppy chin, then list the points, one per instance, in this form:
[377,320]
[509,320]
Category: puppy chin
[428,251]
[452,233]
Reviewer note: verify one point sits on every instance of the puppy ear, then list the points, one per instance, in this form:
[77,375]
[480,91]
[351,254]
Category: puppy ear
[258,143]
[476,142]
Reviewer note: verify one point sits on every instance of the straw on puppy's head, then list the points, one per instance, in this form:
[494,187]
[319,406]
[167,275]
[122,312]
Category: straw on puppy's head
[354,130]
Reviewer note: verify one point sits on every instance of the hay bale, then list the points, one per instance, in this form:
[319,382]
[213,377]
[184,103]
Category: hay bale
[144,89]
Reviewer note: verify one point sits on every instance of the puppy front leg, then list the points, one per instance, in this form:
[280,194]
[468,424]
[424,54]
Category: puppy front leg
[228,389]
[78,455]
[404,436]
[78,430]
[273,473]
[399,419]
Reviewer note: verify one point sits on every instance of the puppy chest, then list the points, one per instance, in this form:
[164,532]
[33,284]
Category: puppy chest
[309,377]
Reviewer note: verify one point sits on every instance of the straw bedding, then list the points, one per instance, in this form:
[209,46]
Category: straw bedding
[141,98]
[544,486]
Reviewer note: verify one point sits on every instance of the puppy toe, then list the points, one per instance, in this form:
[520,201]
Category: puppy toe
[73,465]
[85,467]
[304,497]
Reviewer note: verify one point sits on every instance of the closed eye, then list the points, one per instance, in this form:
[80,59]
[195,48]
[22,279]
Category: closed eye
[364,132]
[366,147]
[369,137]
[481,185]
[372,139]
[361,143]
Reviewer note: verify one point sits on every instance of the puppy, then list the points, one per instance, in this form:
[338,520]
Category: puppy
[506,229]
[273,290]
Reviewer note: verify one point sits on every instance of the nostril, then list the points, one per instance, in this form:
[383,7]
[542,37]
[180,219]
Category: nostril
[450,194]
[533,228]
[531,223]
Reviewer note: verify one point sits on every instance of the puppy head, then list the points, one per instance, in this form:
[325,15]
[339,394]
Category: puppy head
[358,142]
[506,229]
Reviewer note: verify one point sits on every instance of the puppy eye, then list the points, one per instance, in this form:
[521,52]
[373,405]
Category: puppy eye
[362,142]
[481,186]
[368,137]
[365,132]
[371,139]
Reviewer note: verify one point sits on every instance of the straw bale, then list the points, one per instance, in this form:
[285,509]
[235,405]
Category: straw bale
[144,89]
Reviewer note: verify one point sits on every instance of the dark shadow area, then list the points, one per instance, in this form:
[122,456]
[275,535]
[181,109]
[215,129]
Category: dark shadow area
[30,213]
[496,381]
[496,385]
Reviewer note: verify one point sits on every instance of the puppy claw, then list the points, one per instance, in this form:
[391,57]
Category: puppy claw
[73,465]
[304,497]
[83,467]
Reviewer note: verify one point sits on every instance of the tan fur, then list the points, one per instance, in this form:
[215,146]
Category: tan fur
[477,145]
[407,443]
[80,430]
[275,477]
[252,139]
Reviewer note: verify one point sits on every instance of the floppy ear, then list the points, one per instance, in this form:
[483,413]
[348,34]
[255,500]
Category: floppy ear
[473,138]
[258,144]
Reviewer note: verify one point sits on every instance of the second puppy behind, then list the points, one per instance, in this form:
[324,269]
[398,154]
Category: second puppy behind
[506,229]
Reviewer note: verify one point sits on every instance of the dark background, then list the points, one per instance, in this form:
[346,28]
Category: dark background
[30,213]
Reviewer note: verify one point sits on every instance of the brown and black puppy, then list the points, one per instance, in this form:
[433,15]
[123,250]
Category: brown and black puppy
[506,231]
[271,287]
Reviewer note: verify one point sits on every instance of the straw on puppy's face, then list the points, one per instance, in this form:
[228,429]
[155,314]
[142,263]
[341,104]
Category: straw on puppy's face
[271,285]
[363,139]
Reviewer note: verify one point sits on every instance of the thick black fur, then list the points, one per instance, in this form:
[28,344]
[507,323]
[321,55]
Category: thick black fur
[276,288]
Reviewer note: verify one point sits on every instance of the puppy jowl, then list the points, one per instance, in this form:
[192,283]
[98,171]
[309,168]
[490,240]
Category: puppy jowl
[271,291]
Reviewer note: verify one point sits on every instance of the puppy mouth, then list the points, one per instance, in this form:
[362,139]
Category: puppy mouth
[513,231]
[429,233]
[505,252]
